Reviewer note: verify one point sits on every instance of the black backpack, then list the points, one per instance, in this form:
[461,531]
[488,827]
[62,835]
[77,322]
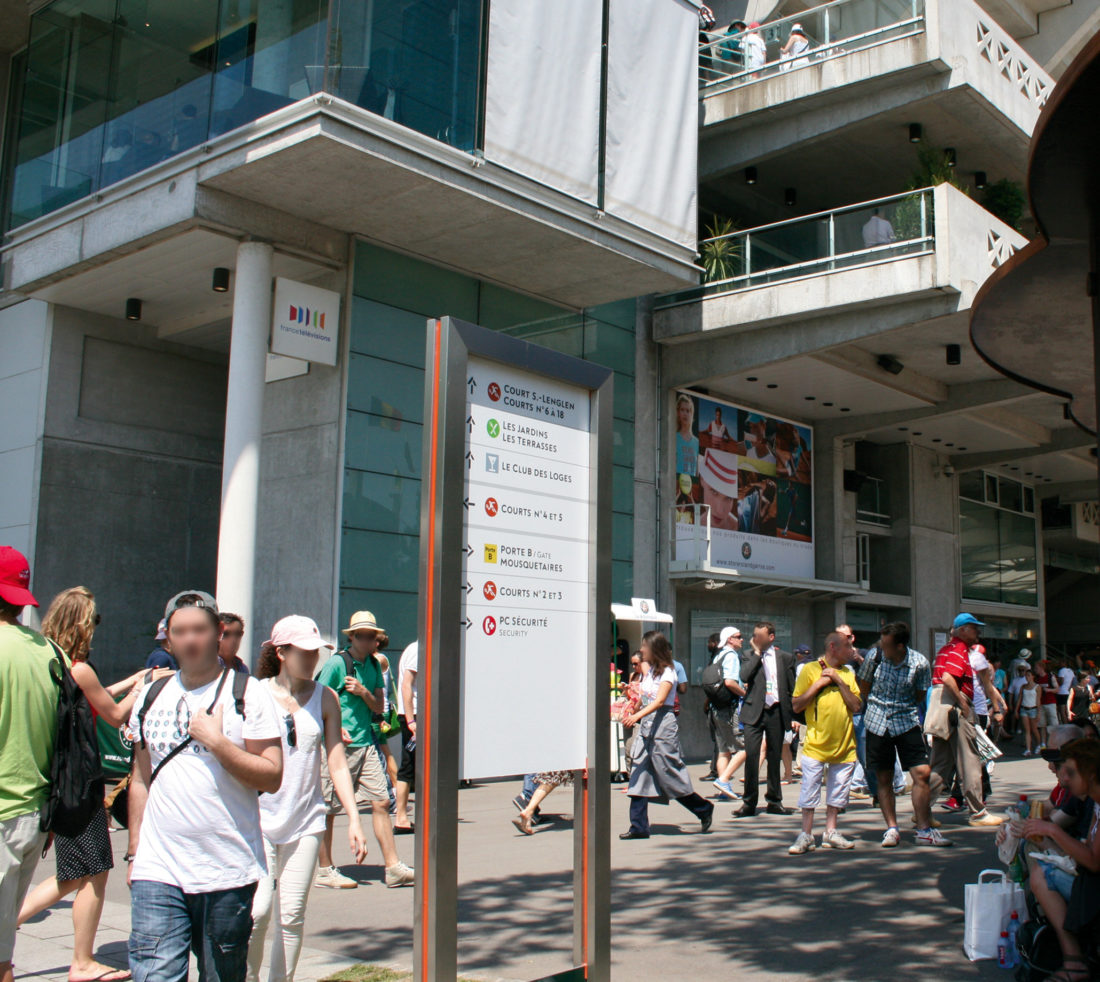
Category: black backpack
[76,771]
[240,683]
[714,685]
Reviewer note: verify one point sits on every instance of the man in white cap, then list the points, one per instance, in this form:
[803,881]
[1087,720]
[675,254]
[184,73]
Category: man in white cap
[724,706]
[356,676]
[718,476]
[160,656]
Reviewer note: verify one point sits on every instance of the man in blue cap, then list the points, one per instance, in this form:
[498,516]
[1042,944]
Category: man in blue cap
[950,720]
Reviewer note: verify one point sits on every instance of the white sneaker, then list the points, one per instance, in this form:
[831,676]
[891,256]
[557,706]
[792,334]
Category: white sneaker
[891,838]
[332,878]
[930,837]
[834,840]
[399,875]
[804,843]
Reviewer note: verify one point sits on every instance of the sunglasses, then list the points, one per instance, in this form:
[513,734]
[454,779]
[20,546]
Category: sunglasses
[291,731]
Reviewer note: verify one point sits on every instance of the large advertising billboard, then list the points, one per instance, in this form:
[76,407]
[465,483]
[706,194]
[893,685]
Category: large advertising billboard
[753,472]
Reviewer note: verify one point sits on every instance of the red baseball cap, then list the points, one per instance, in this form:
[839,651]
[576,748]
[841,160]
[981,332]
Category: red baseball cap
[15,577]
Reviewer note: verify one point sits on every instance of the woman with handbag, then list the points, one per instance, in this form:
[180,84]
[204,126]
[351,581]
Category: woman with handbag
[84,862]
[293,818]
[658,770]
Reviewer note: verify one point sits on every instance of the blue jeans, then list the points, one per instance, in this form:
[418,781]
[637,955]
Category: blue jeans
[869,776]
[166,923]
[529,785]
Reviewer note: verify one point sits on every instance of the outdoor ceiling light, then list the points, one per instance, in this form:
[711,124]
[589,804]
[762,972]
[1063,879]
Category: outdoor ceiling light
[950,156]
[979,180]
[916,134]
[888,363]
[750,175]
[790,196]
[133,309]
[220,281]
[954,354]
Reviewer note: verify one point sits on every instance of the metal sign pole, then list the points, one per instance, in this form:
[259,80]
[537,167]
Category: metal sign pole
[443,628]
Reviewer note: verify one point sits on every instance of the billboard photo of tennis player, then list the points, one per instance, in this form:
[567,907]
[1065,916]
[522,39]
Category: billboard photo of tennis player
[748,476]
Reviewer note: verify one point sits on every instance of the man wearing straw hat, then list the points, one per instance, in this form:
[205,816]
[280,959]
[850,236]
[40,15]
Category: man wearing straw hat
[356,676]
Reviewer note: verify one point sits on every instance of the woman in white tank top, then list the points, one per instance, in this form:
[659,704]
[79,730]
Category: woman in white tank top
[293,818]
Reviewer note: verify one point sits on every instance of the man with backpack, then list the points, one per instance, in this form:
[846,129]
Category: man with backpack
[721,681]
[893,680]
[356,676]
[206,740]
[28,720]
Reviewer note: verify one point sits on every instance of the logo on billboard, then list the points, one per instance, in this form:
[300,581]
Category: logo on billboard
[489,590]
[490,553]
[493,428]
[746,550]
[303,315]
[489,626]
[494,391]
[491,507]
[492,463]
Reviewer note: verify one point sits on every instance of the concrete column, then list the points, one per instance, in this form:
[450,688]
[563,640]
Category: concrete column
[244,434]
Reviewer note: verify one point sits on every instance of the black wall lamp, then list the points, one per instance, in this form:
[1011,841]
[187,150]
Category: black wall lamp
[954,354]
[750,175]
[916,133]
[220,280]
[950,157]
[888,363]
[133,309]
[979,180]
[790,196]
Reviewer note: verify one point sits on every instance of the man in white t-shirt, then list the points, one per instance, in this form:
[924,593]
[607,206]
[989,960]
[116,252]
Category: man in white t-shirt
[406,697]
[196,850]
[1066,677]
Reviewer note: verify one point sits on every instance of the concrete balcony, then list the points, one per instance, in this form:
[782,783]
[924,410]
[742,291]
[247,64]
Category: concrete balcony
[922,254]
[871,68]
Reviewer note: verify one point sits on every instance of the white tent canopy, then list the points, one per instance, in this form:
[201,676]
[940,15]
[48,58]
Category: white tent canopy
[640,609]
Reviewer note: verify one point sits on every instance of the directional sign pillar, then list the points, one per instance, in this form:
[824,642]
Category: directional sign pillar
[514,577]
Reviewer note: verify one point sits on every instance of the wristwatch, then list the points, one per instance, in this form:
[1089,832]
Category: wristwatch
[128,858]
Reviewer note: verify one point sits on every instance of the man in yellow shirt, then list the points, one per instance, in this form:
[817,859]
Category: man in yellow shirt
[827,691]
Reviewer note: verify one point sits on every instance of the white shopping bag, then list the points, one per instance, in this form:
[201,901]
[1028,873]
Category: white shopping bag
[987,749]
[989,904]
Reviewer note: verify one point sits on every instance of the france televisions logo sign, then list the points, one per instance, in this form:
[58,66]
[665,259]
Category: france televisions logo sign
[305,322]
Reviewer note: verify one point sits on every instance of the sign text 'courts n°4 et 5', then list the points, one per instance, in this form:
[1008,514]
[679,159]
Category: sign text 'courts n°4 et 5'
[305,322]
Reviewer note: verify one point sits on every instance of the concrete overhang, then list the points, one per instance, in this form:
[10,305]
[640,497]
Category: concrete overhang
[791,587]
[332,165]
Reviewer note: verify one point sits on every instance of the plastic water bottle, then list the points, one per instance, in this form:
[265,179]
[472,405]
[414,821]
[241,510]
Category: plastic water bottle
[1013,930]
[1022,807]
[1004,959]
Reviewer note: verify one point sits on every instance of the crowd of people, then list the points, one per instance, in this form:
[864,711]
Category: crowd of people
[235,780]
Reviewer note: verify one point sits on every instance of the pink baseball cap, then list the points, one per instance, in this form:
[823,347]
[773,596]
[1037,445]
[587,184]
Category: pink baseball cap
[299,631]
[15,578]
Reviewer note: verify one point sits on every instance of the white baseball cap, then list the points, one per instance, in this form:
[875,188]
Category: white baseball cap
[719,472]
[299,631]
[162,630]
[727,633]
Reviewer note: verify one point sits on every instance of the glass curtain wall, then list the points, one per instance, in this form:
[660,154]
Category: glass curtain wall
[393,296]
[112,87]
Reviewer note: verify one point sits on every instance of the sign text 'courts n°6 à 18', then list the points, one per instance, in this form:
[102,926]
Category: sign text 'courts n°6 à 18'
[514,588]
[305,322]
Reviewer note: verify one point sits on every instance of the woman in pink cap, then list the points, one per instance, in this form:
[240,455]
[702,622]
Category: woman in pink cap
[293,818]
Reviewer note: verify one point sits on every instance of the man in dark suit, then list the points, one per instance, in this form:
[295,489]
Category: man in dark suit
[768,675]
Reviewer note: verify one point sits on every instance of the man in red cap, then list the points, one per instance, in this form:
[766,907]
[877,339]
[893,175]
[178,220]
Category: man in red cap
[28,717]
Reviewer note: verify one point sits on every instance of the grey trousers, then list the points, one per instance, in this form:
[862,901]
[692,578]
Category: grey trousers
[958,756]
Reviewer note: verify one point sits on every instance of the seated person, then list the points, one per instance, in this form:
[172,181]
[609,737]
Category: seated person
[1072,903]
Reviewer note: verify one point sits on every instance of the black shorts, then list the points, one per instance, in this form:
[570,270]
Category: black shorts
[407,770]
[909,746]
[1062,700]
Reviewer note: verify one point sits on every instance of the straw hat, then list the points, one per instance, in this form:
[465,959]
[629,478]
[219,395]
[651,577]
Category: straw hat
[362,620]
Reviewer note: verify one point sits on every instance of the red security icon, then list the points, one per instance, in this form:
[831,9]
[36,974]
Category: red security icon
[491,507]
[494,391]
[489,590]
[489,625]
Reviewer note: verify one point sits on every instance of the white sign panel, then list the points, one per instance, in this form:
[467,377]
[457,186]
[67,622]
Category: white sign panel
[305,321]
[526,609]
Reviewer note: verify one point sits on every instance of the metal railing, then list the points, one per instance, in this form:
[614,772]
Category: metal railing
[832,30]
[873,503]
[857,235]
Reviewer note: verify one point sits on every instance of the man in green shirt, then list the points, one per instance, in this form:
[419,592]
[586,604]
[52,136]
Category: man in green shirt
[28,718]
[356,677]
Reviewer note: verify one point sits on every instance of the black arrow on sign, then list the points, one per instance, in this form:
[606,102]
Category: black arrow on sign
[469,458]
[469,550]
[469,424]
[466,623]
[469,588]
[467,503]
[472,383]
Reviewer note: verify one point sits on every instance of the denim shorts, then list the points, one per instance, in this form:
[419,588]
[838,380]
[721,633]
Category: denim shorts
[1032,713]
[1058,880]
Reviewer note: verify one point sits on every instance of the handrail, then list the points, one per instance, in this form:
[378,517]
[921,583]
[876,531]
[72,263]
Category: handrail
[872,203]
[824,40]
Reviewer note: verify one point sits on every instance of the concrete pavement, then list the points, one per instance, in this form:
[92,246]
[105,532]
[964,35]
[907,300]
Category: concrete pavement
[731,902]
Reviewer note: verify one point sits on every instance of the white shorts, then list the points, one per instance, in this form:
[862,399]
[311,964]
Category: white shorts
[837,783]
[1048,714]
